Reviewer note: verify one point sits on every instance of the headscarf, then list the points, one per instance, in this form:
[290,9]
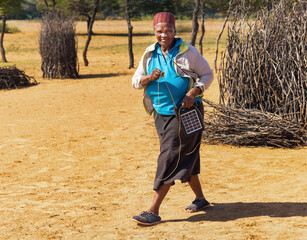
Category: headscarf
[164,17]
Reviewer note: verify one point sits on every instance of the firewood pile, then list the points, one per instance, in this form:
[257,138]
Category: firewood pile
[12,78]
[58,46]
[262,79]
[250,127]
[264,64]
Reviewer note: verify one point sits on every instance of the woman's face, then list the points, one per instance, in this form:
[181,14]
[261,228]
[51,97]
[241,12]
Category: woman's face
[165,34]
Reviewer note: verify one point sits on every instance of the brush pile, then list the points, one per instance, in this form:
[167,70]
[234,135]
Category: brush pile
[264,65]
[58,46]
[250,127]
[262,77]
[12,78]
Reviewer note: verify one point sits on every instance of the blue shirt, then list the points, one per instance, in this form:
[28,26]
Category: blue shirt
[158,90]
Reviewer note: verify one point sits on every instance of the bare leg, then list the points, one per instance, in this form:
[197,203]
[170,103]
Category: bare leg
[196,188]
[158,198]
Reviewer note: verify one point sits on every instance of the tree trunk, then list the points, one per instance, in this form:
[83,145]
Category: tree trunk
[221,32]
[130,28]
[89,32]
[46,3]
[53,4]
[88,21]
[1,40]
[195,23]
[202,11]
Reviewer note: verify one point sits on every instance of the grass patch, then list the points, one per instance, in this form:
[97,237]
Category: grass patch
[13,48]
[9,29]
[183,28]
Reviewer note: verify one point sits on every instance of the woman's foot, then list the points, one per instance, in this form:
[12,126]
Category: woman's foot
[147,218]
[198,205]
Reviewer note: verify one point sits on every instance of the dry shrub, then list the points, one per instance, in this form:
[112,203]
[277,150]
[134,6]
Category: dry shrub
[264,65]
[12,78]
[58,46]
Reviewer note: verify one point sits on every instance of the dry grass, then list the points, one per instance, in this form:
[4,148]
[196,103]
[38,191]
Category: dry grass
[110,39]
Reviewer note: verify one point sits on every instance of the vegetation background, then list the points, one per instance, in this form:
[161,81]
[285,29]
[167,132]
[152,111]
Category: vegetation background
[114,9]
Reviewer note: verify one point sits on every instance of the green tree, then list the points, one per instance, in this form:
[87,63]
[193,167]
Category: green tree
[82,8]
[7,7]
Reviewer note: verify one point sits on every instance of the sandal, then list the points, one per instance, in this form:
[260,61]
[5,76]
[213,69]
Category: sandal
[198,205]
[147,218]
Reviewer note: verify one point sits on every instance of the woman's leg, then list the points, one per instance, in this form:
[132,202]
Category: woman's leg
[158,198]
[196,187]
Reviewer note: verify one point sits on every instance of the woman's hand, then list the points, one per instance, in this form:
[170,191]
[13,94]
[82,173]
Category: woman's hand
[154,76]
[189,98]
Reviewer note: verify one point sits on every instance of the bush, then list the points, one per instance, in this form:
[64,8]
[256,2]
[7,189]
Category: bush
[9,29]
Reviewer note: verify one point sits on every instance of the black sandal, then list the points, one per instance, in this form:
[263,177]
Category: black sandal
[198,205]
[147,218]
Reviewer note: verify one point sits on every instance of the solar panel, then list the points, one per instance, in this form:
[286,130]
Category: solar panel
[191,121]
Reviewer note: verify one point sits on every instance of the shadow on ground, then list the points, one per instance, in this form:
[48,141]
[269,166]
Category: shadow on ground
[84,76]
[224,212]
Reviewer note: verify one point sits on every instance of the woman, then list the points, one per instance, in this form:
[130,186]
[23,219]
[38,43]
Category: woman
[167,73]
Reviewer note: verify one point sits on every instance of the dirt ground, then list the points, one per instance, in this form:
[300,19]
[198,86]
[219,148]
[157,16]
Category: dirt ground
[78,158]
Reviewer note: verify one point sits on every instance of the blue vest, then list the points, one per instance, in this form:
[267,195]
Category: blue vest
[171,85]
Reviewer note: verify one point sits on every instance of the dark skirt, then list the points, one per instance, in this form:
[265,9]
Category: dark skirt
[179,155]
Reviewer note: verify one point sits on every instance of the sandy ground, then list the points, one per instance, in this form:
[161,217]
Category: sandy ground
[78,158]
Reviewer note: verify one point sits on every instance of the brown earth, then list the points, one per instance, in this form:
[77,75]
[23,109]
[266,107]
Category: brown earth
[78,158]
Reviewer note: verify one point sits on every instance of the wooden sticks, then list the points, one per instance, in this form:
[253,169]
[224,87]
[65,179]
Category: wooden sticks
[250,127]
[264,64]
[12,77]
[58,46]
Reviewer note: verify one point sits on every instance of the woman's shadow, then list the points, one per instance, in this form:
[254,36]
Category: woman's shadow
[224,212]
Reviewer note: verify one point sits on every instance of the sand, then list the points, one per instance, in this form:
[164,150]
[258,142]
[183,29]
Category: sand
[78,160]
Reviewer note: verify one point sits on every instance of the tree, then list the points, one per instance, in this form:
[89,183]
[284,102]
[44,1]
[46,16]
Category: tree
[221,32]
[89,32]
[202,11]
[195,23]
[47,4]
[130,28]
[82,8]
[7,7]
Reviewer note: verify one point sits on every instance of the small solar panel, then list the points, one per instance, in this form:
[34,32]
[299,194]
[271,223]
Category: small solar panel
[191,121]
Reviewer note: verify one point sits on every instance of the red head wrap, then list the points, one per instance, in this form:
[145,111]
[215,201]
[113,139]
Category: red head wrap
[164,17]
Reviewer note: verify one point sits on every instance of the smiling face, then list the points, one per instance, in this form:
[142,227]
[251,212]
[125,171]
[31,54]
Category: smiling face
[165,34]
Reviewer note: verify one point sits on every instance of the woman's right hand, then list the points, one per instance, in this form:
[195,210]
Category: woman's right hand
[155,74]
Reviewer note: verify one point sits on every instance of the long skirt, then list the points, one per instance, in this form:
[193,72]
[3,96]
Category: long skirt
[179,155]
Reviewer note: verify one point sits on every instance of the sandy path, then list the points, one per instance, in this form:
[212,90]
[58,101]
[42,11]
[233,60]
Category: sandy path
[78,160]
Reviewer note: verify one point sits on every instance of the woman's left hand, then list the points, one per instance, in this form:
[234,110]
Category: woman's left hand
[189,98]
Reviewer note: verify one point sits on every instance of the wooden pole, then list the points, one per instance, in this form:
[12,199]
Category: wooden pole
[89,32]
[130,28]
[1,40]
[195,23]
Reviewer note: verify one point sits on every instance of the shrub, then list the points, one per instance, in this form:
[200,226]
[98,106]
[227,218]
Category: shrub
[9,29]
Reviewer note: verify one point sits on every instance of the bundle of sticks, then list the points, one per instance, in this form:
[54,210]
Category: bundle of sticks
[264,64]
[250,127]
[11,77]
[58,46]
